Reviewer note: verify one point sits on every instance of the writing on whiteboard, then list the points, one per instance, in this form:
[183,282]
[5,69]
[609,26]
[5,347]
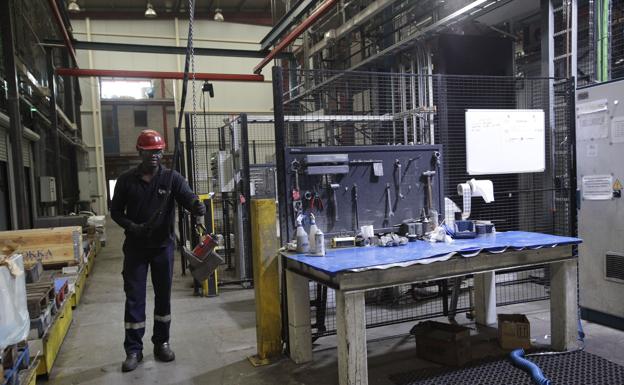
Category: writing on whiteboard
[505,141]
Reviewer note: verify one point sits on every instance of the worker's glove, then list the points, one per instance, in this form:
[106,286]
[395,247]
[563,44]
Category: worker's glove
[139,230]
[198,208]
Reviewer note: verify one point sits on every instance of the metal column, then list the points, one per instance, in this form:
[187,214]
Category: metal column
[56,145]
[280,144]
[15,126]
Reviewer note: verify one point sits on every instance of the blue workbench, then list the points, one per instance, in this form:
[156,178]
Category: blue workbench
[353,271]
[374,257]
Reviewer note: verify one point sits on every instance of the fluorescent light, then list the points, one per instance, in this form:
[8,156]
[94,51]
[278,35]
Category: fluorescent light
[73,6]
[218,16]
[149,11]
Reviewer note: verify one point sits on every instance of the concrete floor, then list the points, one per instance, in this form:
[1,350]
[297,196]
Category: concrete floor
[213,337]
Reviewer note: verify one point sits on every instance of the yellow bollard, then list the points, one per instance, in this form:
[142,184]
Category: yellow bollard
[266,281]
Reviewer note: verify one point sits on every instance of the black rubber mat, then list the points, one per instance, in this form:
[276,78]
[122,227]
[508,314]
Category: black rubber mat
[578,368]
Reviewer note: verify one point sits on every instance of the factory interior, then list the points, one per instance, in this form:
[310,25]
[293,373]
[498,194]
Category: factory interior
[299,192]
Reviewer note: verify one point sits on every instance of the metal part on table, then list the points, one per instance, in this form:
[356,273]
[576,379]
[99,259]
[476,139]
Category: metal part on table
[338,242]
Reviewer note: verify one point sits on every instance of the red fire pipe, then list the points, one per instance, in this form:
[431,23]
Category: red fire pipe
[61,25]
[318,12]
[157,75]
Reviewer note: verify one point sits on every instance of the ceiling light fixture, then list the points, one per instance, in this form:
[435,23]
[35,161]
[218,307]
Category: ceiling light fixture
[218,16]
[73,6]
[150,13]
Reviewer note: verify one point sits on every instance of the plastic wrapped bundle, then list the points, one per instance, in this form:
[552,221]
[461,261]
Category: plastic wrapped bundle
[14,318]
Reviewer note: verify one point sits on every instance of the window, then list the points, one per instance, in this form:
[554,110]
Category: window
[126,89]
[140,118]
[108,130]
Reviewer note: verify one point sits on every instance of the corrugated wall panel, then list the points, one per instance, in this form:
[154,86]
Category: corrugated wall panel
[26,146]
[3,145]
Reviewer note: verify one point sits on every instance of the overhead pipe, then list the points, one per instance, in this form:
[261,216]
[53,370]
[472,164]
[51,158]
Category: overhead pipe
[157,75]
[295,33]
[61,24]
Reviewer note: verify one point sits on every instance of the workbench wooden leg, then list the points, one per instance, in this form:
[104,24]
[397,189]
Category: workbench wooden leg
[351,333]
[485,298]
[299,330]
[563,305]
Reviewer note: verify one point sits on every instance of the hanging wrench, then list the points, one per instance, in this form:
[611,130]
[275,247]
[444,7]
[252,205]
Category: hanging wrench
[389,212]
[334,187]
[397,164]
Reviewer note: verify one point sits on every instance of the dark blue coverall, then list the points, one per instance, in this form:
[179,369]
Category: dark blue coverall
[135,201]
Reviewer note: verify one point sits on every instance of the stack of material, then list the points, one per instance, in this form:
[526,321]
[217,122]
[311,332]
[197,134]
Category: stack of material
[14,359]
[34,272]
[97,229]
[41,306]
[53,247]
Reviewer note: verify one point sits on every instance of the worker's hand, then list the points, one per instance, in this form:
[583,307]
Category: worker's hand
[138,229]
[198,209]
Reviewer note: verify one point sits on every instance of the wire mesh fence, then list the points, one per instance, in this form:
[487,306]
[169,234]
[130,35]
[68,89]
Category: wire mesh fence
[617,39]
[328,108]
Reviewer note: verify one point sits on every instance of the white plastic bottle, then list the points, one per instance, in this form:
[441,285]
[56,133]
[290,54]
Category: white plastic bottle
[303,243]
[312,234]
[319,240]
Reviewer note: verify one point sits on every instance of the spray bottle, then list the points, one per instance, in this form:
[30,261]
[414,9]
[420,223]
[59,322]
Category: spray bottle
[312,234]
[303,243]
[319,240]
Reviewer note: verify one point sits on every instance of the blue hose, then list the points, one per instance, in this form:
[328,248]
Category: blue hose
[517,357]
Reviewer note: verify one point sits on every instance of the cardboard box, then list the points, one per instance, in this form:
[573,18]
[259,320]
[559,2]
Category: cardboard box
[443,343]
[55,246]
[514,331]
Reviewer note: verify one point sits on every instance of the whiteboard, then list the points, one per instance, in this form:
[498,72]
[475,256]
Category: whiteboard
[505,141]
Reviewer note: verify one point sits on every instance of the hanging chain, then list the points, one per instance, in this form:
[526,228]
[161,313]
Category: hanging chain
[191,19]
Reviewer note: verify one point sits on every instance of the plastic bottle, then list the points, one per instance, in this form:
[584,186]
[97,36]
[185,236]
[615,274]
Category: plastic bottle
[312,233]
[319,240]
[303,243]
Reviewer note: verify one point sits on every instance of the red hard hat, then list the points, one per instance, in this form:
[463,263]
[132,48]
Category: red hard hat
[150,140]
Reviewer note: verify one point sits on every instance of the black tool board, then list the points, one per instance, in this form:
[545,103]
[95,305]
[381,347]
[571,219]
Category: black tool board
[372,190]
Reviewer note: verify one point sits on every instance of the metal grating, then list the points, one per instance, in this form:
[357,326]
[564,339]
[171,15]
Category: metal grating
[329,108]
[572,368]
[614,267]
[617,39]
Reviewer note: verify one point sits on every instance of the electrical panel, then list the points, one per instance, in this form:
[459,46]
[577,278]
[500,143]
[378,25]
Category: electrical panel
[48,189]
[222,168]
[263,180]
[600,178]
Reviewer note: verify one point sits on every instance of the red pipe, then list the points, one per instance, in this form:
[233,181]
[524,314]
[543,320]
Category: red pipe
[157,75]
[61,25]
[318,12]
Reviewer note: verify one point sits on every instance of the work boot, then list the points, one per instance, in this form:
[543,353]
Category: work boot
[132,361]
[163,352]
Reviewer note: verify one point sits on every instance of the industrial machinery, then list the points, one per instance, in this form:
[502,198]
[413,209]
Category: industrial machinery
[600,173]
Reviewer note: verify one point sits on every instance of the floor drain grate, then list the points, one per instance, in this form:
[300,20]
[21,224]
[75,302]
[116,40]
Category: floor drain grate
[578,368]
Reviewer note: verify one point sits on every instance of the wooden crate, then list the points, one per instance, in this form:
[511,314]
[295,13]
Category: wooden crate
[54,247]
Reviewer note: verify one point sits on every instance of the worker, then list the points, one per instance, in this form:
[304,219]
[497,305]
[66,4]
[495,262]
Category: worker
[149,242]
